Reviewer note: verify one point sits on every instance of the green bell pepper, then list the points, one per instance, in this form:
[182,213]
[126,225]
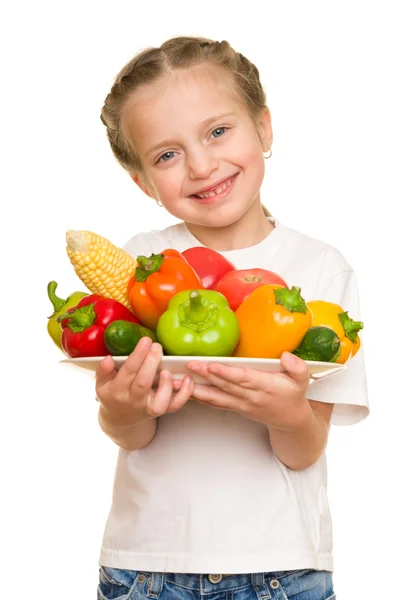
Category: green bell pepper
[60,307]
[198,323]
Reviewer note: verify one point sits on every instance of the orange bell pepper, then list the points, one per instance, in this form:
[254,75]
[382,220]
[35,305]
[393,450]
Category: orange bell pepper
[328,314]
[272,319]
[156,280]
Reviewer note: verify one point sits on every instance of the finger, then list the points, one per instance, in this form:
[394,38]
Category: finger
[132,364]
[235,381]
[157,403]
[105,372]
[183,395]
[209,405]
[177,383]
[144,380]
[296,368]
[218,398]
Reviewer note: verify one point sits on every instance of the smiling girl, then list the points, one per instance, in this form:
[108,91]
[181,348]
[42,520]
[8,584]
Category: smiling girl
[219,490]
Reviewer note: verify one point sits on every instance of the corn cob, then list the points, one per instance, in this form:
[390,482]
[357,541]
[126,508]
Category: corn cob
[103,268]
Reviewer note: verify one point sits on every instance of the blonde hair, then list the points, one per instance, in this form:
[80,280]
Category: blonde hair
[176,53]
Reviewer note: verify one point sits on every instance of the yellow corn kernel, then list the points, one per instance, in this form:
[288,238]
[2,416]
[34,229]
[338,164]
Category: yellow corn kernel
[104,268]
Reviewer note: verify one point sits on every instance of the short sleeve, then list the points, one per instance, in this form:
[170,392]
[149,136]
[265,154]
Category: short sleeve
[347,390]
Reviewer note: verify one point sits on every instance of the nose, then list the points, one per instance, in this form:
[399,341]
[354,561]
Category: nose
[201,164]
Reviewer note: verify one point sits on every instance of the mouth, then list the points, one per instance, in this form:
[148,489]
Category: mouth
[220,190]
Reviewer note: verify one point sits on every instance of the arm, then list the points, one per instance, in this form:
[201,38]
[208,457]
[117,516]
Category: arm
[131,437]
[301,446]
[129,406]
[298,427]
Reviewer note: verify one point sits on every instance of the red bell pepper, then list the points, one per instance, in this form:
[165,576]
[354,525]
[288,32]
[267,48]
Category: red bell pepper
[156,280]
[208,264]
[83,326]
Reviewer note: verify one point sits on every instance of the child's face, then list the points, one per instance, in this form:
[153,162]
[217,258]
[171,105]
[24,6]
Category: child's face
[191,133]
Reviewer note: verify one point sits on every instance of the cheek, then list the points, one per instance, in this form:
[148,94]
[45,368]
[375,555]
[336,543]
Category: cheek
[253,161]
[254,167]
[247,151]
[168,182]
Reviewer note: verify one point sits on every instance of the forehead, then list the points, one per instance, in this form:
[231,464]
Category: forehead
[184,97]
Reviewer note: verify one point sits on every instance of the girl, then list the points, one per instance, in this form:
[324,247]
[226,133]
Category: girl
[224,494]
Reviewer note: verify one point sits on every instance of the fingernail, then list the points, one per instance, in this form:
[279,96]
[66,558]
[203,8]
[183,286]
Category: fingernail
[194,366]
[156,347]
[291,359]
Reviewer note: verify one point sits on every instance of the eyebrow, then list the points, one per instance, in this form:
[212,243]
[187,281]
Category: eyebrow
[204,124]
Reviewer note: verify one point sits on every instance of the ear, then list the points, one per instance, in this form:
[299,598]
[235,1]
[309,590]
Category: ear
[138,180]
[265,129]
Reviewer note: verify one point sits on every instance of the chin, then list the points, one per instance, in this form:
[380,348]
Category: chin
[222,217]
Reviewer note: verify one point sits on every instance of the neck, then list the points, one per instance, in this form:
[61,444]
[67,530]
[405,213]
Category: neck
[247,231]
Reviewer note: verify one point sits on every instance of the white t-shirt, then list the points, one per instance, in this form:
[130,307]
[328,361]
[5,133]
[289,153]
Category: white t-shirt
[208,495]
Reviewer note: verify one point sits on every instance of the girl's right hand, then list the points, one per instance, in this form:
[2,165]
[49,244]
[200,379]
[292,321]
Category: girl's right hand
[127,396]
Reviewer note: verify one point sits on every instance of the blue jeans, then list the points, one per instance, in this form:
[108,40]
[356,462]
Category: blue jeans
[307,584]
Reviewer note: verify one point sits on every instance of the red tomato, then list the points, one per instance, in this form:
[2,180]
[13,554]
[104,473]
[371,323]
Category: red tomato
[239,284]
[209,265]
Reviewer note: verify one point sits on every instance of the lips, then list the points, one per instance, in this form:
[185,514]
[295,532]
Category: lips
[217,188]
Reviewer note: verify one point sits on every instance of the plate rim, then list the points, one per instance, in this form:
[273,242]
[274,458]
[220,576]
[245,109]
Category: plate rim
[187,358]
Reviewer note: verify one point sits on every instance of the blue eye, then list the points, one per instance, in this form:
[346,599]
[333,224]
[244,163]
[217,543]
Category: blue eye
[166,156]
[219,131]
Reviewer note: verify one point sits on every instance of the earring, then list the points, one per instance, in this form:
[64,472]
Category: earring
[158,203]
[269,154]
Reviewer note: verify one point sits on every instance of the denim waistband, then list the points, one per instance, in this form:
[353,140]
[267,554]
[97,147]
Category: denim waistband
[208,584]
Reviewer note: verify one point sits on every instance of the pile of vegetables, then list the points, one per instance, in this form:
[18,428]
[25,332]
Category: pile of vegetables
[194,303]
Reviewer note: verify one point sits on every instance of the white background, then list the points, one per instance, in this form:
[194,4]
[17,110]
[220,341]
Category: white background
[334,74]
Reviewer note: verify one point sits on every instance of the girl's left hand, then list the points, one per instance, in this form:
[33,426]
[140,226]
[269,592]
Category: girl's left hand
[276,399]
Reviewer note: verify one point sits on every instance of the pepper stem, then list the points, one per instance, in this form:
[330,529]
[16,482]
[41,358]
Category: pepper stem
[350,327]
[147,265]
[57,302]
[291,299]
[80,318]
[196,312]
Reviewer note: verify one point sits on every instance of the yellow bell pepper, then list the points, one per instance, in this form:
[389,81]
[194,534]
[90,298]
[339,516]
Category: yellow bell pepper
[60,306]
[328,314]
[272,319]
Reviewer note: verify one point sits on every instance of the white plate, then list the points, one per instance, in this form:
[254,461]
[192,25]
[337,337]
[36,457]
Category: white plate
[177,365]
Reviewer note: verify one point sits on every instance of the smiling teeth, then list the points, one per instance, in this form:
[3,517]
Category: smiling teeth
[217,191]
